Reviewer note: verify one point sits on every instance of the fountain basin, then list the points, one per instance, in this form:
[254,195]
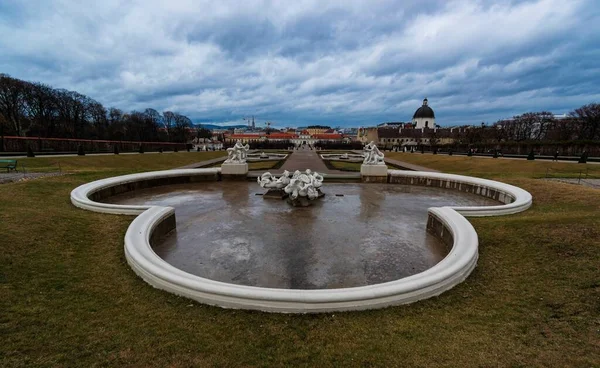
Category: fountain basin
[347,157]
[446,222]
[265,156]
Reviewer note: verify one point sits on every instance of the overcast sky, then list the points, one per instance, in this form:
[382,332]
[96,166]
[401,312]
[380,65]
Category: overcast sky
[347,63]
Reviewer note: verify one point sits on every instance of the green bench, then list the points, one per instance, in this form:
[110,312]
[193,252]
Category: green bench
[8,165]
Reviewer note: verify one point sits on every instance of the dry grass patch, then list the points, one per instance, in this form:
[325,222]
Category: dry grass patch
[498,168]
[134,162]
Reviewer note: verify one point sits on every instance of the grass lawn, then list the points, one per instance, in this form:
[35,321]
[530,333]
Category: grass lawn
[257,165]
[335,152]
[344,165]
[116,163]
[68,298]
[347,165]
[262,165]
[498,168]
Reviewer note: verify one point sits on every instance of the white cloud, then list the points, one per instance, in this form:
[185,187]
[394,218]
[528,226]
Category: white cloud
[303,61]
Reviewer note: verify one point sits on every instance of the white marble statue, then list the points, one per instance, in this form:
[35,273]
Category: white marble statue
[372,155]
[304,184]
[237,154]
[269,181]
[300,184]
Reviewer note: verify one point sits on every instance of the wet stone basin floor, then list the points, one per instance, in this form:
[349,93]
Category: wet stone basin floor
[358,234]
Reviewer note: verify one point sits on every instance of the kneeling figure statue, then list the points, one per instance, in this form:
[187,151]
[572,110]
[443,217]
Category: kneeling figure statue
[372,155]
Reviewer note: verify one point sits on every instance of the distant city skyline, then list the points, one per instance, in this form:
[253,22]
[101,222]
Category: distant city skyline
[347,64]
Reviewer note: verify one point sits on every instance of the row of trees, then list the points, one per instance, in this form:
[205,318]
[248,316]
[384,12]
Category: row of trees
[581,124]
[38,110]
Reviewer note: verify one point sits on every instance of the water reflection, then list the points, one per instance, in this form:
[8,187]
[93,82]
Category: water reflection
[373,233]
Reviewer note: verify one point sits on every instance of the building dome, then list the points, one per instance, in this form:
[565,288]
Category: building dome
[424,111]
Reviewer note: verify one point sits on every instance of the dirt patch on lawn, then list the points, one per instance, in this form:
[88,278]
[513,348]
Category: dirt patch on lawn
[591,183]
[12,177]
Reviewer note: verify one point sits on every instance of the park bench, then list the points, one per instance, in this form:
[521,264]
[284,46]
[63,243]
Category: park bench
[8,165]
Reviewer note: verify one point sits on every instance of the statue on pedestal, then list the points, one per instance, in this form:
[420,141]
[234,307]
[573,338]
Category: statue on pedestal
[372,155]
[237,154]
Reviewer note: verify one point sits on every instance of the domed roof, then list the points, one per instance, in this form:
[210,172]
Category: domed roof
[424,111]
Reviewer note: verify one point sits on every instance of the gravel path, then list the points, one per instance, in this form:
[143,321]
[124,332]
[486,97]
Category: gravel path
[12,177]
[592,183]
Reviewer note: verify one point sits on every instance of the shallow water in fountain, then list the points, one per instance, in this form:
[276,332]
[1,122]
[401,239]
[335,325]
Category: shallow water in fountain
[358,234]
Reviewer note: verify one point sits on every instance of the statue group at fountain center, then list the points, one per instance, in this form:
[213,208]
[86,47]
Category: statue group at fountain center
[301,187]
[238,153]
[372,155]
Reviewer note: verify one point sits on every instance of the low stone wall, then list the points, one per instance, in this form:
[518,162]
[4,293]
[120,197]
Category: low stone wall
[481,190]
[512,199]
[436,227]
[87,196]
[150,183]
[162,228]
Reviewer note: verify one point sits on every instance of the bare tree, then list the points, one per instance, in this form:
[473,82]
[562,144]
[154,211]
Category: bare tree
[589,117]
[181,128]
[41,109]
[12,104]
[98,119]
[169,121]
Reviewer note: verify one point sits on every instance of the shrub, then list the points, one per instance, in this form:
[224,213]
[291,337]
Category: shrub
[531,156]
[80,151]
[141,150]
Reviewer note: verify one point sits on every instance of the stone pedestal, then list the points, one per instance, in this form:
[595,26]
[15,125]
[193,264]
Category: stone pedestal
[373,173]
[303,201]
[299,202]
[275,194]
[234,171]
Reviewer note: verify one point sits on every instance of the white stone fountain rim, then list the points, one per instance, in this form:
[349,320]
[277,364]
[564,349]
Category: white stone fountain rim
[452,270]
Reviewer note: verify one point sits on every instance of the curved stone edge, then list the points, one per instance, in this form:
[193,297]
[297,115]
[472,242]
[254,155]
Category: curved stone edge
[80,196]
[516,199]
[452,270]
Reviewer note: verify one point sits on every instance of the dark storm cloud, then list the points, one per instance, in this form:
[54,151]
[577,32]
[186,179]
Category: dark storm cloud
[301,62]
